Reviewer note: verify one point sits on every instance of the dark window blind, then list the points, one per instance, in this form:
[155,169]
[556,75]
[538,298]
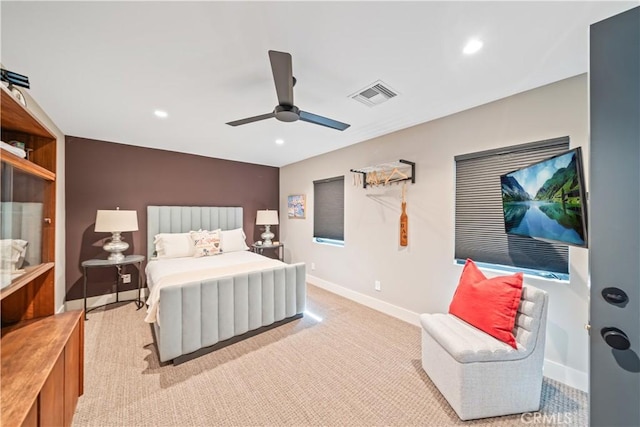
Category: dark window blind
[479,232]
[328,212]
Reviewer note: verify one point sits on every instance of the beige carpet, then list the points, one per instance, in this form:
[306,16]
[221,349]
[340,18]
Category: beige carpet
[357,367]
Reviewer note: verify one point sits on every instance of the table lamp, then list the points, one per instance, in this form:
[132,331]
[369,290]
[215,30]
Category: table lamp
[267,218]
[116,222]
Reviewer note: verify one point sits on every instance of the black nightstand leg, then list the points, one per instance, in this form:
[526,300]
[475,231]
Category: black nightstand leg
[85,293]
[139,302]
[119,267]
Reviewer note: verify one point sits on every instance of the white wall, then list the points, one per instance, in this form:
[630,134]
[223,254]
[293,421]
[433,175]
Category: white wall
[422,277]
[60,288]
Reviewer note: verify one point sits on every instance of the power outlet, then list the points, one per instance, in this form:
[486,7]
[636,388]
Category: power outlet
[376,285]
[126,278]
[313,266]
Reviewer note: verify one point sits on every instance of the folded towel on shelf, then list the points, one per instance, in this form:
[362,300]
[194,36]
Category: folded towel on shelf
[13,150]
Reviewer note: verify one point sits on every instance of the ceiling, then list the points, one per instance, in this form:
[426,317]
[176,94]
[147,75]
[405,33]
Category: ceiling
[100,69]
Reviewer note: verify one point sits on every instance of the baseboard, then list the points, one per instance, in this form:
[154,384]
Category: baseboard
[78,304]
[555,371]
[376,304]
[566,375]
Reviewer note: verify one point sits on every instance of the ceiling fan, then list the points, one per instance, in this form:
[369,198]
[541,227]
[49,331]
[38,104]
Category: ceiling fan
[286,111]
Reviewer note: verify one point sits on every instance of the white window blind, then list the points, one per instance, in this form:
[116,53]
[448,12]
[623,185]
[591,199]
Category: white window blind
[479,231]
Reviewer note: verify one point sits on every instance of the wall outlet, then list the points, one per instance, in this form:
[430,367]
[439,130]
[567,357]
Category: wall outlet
[126,278]
[313,265]
[376,285]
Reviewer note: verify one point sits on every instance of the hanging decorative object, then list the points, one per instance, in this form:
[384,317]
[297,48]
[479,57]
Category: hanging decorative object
[404,220]
[13,80]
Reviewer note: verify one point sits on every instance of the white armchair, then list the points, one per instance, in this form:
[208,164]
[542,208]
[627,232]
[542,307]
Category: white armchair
[481,376]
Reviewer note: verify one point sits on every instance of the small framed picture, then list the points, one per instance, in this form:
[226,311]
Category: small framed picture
[296,206]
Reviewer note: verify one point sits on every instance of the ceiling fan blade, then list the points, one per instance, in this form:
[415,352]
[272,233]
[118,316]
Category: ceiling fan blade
[251,119]
[323,121]
[282,76]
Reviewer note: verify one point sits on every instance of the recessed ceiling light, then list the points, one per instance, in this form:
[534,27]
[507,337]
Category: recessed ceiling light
[279,141]
[472,46]
[161,114]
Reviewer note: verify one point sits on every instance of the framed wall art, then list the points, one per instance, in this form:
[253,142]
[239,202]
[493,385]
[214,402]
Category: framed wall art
[296,206]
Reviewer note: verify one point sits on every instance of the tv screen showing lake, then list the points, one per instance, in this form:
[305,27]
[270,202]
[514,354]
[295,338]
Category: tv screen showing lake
[546,220]
[544,200]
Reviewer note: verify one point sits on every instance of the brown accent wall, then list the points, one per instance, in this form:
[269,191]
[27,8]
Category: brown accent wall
[104,175]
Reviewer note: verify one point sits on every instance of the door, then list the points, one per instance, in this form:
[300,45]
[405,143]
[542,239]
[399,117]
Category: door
[614,205]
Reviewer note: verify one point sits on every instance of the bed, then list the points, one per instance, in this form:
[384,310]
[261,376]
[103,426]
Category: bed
[197,305]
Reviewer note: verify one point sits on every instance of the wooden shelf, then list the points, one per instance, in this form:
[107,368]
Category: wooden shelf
[31,274]
[29,352]
[386,173]
[26,166]
[42,353]
[17,118]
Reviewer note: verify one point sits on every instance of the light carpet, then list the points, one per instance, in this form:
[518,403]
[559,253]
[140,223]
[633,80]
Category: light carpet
[356,367]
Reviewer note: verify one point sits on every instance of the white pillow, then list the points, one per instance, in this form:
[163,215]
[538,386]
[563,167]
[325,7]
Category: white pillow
[12,253]
[207,243]
[233,240]
[174,245]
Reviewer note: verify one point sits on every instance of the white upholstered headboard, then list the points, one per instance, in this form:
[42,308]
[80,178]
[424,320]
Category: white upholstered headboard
[182,219]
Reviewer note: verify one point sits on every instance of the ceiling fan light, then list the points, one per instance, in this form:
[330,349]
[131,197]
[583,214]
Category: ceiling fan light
[284,113]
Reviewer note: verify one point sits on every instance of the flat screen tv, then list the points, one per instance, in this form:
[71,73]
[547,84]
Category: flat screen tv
[546,200]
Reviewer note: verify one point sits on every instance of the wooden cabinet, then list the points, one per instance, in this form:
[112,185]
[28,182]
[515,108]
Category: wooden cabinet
[42,366]
[73,371]
[51,399]
[41,352]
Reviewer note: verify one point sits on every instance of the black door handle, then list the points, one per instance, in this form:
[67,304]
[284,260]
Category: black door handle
[615,296]
[615,338]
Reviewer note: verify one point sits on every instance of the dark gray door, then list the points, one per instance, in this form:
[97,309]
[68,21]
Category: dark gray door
[615,220]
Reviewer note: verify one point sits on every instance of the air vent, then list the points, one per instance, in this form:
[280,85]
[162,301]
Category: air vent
[374,94]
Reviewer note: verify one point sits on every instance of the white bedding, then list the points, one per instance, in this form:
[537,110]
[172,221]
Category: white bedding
[176,271]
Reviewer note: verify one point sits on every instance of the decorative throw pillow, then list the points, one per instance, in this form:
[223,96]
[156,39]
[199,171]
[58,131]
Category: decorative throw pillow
[174,245]
[488,304]
[20,248]
[206,243]
[233,240]
[12,253]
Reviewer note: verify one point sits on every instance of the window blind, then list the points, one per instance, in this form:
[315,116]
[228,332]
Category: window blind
[328,212]
[479,230]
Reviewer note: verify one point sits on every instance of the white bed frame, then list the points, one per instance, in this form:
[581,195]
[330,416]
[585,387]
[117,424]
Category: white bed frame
[199,317]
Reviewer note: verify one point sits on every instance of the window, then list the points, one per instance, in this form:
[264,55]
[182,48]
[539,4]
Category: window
[328,212]
[479,231]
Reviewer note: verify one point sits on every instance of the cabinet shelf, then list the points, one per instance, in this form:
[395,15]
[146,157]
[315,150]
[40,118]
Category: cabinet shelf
[31,274]
[26,166]
[16,117]
[387,173]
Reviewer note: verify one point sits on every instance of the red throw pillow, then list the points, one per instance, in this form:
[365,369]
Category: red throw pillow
[488,304]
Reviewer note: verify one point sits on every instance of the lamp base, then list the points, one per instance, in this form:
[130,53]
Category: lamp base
[115,247]
[267,236]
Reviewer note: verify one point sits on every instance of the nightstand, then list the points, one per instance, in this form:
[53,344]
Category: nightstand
[129,259]
[260,248]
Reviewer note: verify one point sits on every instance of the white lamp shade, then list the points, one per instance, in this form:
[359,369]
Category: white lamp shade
[116,221]
[267,218]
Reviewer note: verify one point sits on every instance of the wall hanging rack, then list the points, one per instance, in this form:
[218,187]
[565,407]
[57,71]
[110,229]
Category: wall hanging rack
[385,173]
